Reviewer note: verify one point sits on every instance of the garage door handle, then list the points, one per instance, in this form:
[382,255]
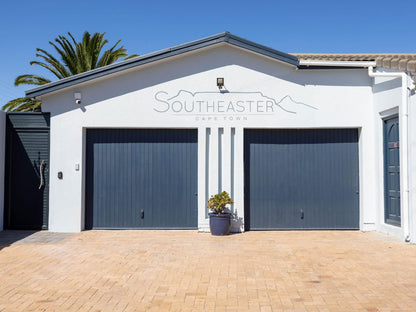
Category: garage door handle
[302,214]
[42,165]
[142,214]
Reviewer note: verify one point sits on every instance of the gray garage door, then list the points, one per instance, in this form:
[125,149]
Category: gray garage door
[301,179]
[141,179]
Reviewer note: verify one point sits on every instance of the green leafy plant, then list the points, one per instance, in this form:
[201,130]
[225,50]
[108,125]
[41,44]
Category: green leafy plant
[73,57]
[217,203]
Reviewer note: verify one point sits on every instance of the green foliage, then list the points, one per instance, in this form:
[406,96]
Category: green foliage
[30,80]
[78,57]
[217,203]
[74,58]
[23,104]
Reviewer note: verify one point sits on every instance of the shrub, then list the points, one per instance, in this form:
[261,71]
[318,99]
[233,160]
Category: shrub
[217,203]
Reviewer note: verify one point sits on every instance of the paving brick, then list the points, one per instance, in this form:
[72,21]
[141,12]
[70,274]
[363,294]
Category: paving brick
[188,271]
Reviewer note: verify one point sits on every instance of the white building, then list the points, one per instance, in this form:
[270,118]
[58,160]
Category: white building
[300,142]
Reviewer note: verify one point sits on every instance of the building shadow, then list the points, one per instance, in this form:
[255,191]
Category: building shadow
[10,237]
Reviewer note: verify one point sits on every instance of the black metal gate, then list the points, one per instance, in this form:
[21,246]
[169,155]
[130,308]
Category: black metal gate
[27,171]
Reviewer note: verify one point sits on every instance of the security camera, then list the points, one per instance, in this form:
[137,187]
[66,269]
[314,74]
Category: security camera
[77,97]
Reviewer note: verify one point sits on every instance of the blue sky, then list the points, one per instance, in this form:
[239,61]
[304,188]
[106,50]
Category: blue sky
[146,26]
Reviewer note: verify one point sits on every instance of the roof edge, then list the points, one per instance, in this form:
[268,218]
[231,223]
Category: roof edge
[395,61]
[162,54]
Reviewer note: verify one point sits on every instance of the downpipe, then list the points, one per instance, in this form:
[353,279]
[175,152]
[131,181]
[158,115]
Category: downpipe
[404,134]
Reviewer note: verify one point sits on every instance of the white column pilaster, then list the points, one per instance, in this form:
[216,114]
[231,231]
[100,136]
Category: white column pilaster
[238,223]
[213,162]
[202,178]
[226,160]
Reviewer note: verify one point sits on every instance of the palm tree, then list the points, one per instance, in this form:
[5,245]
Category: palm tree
[75,58]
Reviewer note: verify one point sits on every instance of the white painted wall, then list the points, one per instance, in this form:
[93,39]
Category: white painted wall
[412,165]
[388,102]
[333,98]
[2,164]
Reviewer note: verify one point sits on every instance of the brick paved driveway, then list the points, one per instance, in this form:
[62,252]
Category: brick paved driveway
[190,271]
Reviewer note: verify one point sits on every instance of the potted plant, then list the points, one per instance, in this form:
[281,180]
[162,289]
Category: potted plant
[219,218]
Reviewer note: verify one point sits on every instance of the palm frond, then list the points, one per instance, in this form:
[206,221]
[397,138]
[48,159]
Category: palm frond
[23,104]
[67,53]
[58,70]
[30,80]
[48,67]
[74,58]
[131,56]
[95,47]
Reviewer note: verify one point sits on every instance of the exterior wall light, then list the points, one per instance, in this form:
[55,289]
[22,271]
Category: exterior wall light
[220,83]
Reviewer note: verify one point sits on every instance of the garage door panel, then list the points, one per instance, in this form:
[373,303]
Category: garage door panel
[301,179]
[333,174]
[117,169]
[141,178]
[174,184]
[269,193]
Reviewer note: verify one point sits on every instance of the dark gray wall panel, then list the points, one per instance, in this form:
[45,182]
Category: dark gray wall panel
[131,172]
[27,145]
[301,179]
[29,120]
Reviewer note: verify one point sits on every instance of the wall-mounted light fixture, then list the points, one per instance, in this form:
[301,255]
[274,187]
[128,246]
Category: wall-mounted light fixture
[220,83]
[77,97]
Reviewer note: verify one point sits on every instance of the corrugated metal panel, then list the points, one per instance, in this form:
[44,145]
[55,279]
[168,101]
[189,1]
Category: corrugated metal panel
[392,171]
[141,178]
[27,205]
[301,179]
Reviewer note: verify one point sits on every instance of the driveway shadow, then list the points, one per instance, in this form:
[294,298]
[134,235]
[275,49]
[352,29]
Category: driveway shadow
[11,237]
